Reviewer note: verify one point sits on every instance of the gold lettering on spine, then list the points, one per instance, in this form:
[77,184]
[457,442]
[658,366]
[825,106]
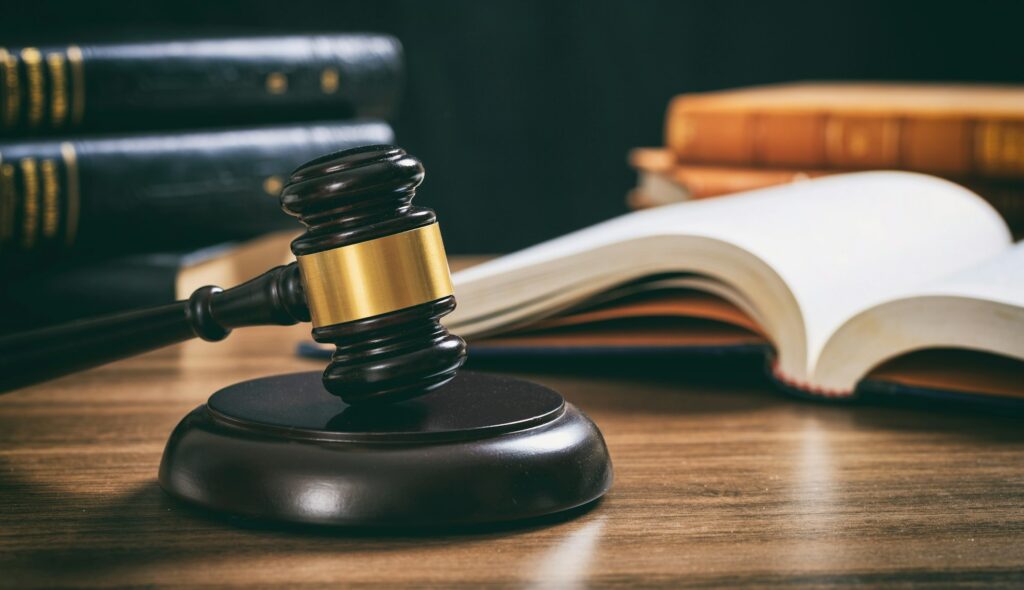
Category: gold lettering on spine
[34,79]
[30,213]
[1000,147]
[272,185]
[77,68]
[12,89]
[986,151]
[6,202]
[58,89]
[67,152]
[277,83]
[3,87]
[330,80]
[51,198]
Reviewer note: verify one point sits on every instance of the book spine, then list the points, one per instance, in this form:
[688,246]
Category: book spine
[95,197]
[952,146]
[197,82]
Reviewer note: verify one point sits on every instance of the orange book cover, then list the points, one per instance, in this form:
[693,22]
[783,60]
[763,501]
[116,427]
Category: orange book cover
[947,129]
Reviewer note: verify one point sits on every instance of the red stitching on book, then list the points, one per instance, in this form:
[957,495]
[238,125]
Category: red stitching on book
[805,386]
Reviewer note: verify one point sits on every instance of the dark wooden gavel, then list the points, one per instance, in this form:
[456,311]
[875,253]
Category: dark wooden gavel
[371,274]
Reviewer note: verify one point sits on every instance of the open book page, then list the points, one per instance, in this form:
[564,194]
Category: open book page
[808,256]
[980,308]
[911,229]
[1000,279]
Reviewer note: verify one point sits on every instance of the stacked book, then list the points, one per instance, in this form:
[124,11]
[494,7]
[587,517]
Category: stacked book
[737,140]
[132,173]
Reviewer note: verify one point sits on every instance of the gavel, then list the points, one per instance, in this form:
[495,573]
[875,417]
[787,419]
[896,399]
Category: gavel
[370,273]
[372,277]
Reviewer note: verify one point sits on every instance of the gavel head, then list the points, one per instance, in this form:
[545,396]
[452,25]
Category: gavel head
[375,274]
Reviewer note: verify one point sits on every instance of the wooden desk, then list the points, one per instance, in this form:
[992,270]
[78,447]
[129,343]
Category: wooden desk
[719,482]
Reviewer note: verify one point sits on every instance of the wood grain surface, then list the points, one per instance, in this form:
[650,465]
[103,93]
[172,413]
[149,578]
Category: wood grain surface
[720,481]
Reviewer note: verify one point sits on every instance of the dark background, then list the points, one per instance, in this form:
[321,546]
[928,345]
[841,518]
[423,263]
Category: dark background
[523,111]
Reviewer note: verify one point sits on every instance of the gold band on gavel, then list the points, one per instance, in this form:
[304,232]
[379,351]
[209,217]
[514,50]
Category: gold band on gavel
[375,277]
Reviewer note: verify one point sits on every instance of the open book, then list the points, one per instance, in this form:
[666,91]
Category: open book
[886,277]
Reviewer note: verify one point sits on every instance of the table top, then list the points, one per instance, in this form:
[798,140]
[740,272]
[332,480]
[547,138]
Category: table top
[720,481]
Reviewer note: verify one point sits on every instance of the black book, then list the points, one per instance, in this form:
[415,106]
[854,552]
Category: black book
[98,197]
[194,83]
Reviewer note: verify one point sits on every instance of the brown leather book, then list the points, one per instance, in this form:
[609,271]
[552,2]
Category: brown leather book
[663,180]
[948,129]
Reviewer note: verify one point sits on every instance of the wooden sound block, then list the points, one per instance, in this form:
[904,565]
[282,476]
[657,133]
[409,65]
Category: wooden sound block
[480,449]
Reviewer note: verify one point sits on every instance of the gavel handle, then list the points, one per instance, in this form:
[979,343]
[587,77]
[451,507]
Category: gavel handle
[273,298]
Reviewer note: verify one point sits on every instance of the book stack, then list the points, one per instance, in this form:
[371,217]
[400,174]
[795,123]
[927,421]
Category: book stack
[131,172]
[731,141]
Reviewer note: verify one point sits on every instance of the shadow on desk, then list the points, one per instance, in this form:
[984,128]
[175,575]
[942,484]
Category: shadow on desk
[149,527]
[713,383]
